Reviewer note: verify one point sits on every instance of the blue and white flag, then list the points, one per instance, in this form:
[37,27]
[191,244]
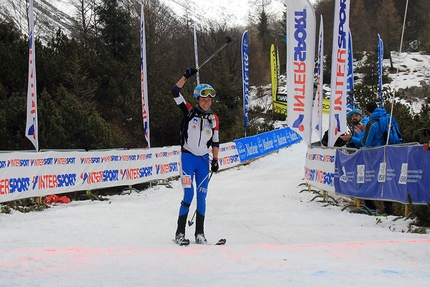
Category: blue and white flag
[245,78]
[31,128]
[196,54]
[350,78]
[317,108]
[339,72]
[143,78]
[380,66]
[301,33]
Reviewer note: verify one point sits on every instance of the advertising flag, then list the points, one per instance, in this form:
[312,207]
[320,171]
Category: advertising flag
[301,33]
[196,54]
[350,78]
[274,72]
[31,128]
[380,67]
[143,78]
[245,78]
[339,72]
[317,108]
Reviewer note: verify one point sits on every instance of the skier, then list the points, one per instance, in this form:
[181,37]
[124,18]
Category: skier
[200,130]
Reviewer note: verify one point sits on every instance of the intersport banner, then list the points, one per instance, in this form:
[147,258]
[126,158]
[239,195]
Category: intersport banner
[31,128]
[319,168]
[339,72]
[365,174]
[30,174]
[301,33]
[144,79]
[255,146]
[317,108]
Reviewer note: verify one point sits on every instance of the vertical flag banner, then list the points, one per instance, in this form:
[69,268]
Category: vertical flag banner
[317,108]
[245,78]
[350,78]
[339,72]
[380,67]
[274,74]
[143,78]
[301,33]
[31,128]
[196,55]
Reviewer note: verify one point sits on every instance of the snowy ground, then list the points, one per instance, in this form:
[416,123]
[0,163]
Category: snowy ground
[276,236]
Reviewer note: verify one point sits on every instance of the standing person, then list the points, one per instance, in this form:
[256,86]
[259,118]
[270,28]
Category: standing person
[374,136]
[358,123]
[200,131]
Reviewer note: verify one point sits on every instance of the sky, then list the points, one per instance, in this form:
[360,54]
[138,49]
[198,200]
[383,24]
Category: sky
[277,235]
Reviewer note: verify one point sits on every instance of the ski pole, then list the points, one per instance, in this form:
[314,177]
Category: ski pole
[191,222]
[214,54]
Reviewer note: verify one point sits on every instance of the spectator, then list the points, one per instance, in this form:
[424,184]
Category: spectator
[358,122]
[374,136]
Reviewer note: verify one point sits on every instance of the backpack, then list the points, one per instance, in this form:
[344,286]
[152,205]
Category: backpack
[395,135]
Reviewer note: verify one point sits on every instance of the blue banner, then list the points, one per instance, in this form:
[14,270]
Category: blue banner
[255,146]
[245,78]
[357,175]
[380,66]
[365,174]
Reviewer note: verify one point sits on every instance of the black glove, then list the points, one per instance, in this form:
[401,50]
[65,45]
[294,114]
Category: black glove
[190,72]
[215,165]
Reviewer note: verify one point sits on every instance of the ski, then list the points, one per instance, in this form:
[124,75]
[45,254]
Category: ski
[184,242]
[222,241]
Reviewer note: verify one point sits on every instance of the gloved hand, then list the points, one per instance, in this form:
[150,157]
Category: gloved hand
[190,72]
[215,165]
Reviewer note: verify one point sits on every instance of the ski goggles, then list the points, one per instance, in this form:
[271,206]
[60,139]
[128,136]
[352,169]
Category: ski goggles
[207,93]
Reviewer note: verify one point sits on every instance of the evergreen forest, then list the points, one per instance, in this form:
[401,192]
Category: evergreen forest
[88,84]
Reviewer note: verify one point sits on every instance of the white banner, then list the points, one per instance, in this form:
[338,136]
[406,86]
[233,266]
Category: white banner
[30,174]
[143,78]
[319,168]
[339,72]
[317,108]
[31,128]
[301,33]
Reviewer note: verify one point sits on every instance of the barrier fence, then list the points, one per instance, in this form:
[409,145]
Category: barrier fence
[396,173]
[25,174]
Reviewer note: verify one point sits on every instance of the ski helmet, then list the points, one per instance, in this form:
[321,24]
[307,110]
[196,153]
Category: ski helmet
[204,91]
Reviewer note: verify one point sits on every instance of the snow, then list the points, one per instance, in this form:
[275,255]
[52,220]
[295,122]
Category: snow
[276,236]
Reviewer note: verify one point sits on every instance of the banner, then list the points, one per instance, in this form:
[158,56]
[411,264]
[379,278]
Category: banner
[317,107]
[350,77]
[262,144]
[301,31]
[274,72]
[143,78]
[245,79]
[31,127]
[380,66]
[196,55]
[319,168]
[385,173]
[339,71]
[360,176]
